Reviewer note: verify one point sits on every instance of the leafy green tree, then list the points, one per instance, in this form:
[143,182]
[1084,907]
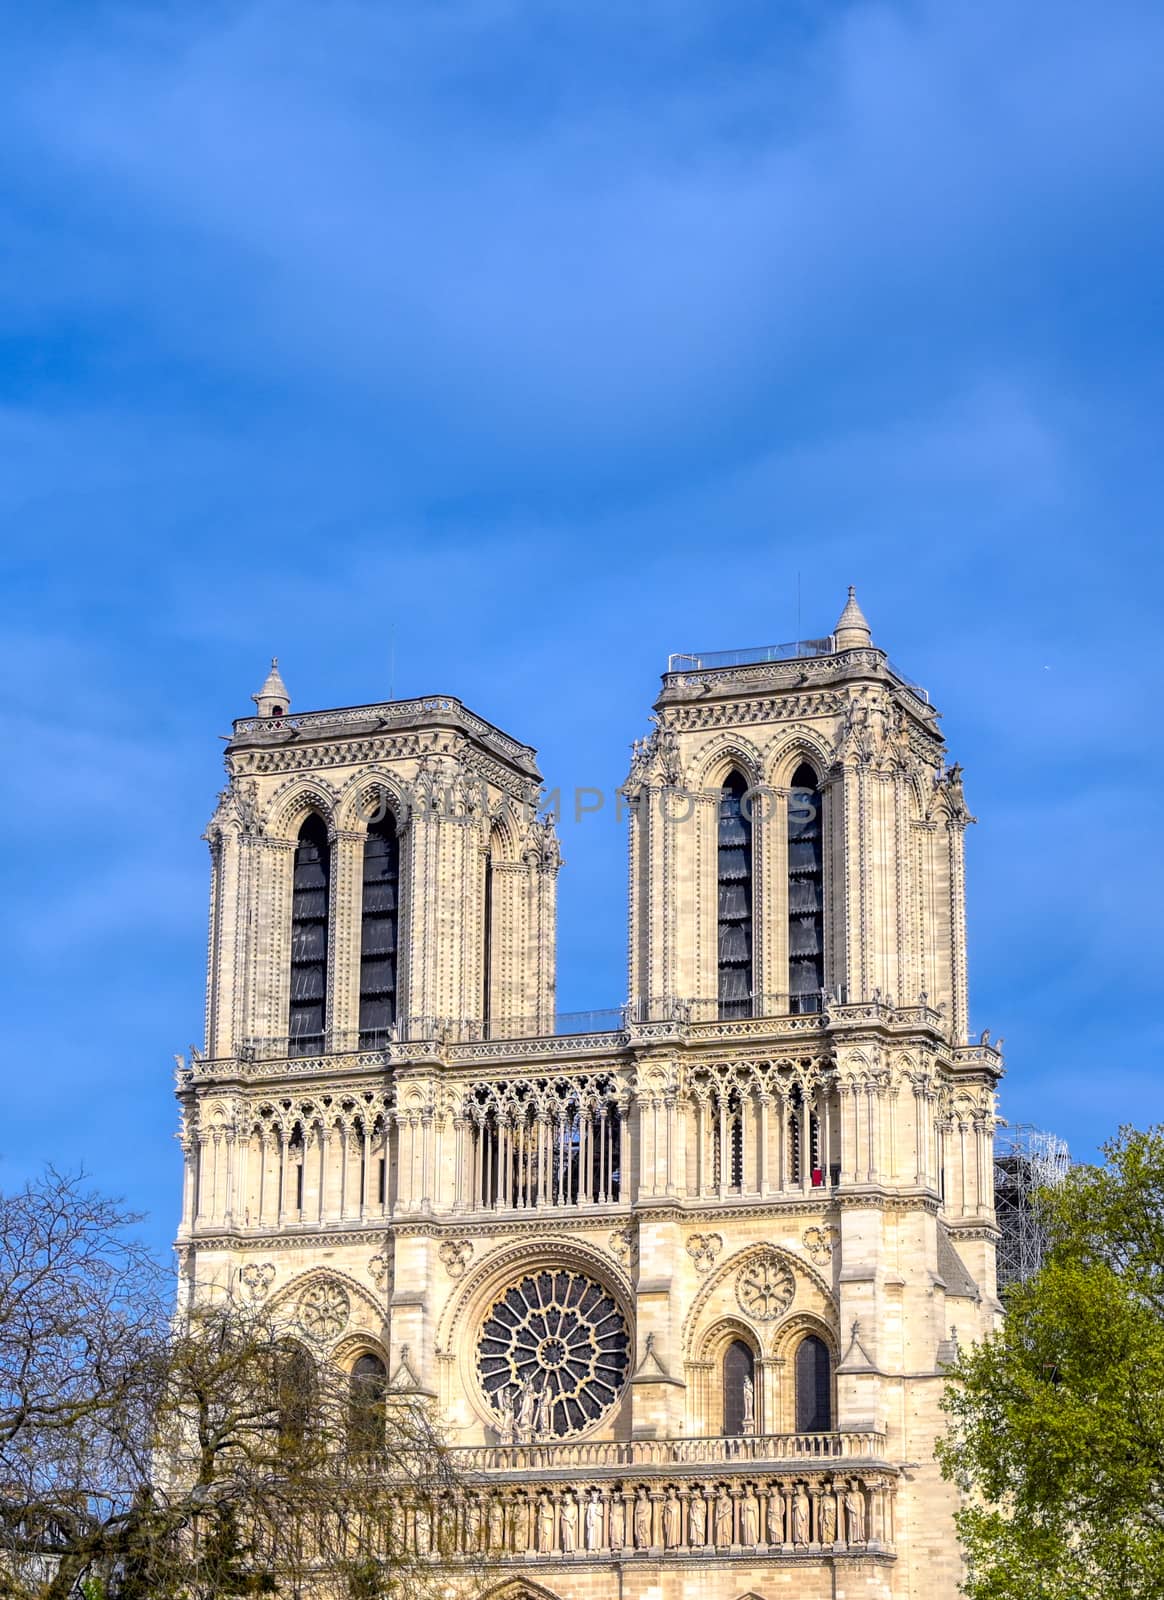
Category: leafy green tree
[1057,1420]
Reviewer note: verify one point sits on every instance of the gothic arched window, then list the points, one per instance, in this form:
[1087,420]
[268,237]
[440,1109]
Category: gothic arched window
[727,1140]
[735,899]
[367,1387]
[487,947]
[814,1386]
[805,892]
[309,913]
[739,1391]
[294,1395]
[379,923]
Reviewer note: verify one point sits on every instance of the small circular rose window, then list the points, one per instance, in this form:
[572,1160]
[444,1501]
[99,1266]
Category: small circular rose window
[553,1356]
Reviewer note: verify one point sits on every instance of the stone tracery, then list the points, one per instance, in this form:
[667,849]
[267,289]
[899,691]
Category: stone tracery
[552,1356]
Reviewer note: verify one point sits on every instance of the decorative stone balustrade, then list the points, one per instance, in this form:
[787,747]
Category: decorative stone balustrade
[727,1451]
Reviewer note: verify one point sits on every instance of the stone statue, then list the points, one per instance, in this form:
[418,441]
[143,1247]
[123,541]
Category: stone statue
[527,1406]
[828,1516]
[642,1521]
[723,1519]
[594,1521]
[800,1515]
[749,1422]
[569,1522]
[505,1415]
[497,1523]
[672,1520]
[544,1413]
[545,1523]
[447,1526]
[775,1517]
[855,1514]
[617,1521]
[697,1519]
[749,1519]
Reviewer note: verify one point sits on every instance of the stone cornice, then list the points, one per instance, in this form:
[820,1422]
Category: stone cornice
[345,723]
[288,1238]
[803,674]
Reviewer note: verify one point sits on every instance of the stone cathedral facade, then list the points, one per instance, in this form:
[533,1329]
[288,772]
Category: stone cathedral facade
[681,1287]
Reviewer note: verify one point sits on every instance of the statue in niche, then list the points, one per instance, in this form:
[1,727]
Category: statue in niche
[672,1520]
[642,1521]
[617,1521]
[697,1519]
[723,1519]
[855,1513]
[775,1517]
[423,1532]
[569,1522]
[828,1516]
[749,1421]
[447,1526]
[801,1511]
[749,1519]
[594,1521]
[545,1523]
[497,1523]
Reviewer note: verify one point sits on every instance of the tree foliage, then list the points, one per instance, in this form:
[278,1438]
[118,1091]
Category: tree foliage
[147,1459]
[1057,1420]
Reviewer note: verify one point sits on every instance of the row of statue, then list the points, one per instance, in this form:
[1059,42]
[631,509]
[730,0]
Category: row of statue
[828,1513]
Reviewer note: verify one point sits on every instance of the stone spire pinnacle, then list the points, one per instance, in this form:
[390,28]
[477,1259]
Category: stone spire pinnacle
[852,631]
[273,699]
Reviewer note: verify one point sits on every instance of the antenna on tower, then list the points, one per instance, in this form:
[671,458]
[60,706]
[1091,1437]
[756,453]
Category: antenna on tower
[391,661]
[798,613]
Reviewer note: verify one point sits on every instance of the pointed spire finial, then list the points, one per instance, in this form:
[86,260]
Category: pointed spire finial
[852,632]
[273,699]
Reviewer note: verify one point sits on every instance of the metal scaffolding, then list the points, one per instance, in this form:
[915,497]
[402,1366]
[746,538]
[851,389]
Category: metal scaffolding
[1026,1159]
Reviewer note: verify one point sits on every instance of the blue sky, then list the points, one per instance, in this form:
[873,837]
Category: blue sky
[528,341]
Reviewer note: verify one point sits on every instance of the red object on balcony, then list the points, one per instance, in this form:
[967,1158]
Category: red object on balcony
[817,1178]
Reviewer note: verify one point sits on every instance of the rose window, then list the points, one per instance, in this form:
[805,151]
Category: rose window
[766,1288]
[324,1310]
[552,1355]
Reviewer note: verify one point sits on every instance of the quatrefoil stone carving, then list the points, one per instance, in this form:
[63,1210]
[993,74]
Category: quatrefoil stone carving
[257,1278]
[703,1248]
[455,1254]
[820,1243]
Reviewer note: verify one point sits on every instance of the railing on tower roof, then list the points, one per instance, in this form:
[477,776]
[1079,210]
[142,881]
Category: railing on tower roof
[757,655]
[707,660]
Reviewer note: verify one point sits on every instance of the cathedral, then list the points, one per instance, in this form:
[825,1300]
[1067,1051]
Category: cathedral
[681,1286]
